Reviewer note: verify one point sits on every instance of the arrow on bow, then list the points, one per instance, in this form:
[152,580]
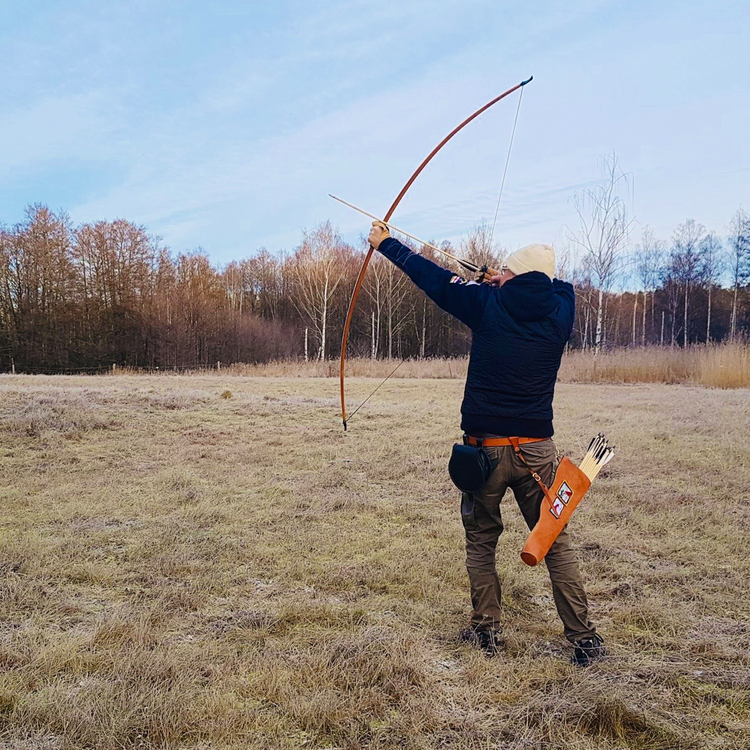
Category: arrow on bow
[484,272]
[386,219]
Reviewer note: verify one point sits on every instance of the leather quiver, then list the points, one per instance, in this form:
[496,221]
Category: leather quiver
[569,487]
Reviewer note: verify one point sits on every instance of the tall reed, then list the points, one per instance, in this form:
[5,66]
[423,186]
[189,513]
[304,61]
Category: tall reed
[715,366]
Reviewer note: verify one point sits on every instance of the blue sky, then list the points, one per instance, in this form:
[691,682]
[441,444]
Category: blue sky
[224,125]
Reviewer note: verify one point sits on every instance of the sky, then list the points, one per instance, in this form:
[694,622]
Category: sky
[224,125]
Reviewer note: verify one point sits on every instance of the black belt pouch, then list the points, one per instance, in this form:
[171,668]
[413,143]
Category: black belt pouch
[470,467]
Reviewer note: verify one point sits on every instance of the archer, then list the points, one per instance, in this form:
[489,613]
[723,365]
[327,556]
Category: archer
[520,322]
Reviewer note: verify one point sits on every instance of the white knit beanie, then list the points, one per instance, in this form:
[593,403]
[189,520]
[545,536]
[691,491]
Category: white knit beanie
[532,258]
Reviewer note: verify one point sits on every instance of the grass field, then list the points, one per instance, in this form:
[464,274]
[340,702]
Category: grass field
[185,567]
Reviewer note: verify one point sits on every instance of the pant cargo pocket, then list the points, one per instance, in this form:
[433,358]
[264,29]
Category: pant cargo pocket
[467,510]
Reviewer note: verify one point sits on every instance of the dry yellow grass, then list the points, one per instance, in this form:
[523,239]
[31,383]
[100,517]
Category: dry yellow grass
[716,366]
[187,569]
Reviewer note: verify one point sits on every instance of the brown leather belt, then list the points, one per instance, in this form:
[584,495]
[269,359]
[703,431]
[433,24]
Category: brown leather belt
[493,442]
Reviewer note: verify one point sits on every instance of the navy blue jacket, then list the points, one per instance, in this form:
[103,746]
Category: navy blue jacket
[519,332]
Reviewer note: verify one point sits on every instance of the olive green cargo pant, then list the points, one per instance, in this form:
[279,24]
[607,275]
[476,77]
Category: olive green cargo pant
[480,513]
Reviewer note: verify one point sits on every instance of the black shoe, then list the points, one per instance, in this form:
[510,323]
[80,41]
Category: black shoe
[490,641]
[588,650]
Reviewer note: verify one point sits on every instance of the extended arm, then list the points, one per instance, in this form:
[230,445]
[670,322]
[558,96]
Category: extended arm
[463,299]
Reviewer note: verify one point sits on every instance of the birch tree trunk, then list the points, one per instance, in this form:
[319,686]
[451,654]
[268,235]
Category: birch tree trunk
[599,320]
[673,342]
[324,320]
[424,327]
[389,309]
[586,318]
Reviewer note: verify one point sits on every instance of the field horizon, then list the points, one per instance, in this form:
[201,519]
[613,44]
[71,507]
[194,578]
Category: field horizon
[717,365]
[208,560]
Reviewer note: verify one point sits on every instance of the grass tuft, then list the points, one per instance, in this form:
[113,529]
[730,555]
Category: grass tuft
[611,718]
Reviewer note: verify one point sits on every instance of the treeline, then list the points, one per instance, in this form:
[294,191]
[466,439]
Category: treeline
[682,296]
[85,297]
[78,298]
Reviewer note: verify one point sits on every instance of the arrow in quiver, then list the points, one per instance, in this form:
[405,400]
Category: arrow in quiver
[561,499]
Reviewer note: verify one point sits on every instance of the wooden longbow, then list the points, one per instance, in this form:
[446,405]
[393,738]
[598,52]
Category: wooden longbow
[389,213]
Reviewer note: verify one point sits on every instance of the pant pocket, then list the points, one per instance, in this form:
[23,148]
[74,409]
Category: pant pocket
[467,510]
[542,458]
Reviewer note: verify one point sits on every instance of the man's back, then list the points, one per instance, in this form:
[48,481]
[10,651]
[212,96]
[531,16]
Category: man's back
[515,355]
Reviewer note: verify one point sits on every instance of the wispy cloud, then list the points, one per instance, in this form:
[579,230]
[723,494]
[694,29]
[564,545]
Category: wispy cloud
[225,126]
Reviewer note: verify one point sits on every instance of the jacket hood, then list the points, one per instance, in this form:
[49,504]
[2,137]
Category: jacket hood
[529,296]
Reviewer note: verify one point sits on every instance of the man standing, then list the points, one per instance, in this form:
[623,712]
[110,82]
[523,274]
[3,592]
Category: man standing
[520,323]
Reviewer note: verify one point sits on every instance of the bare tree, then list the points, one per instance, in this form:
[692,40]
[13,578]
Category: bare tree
[398,287]
[685,261]
[649,262]
[579,275]
[40,281]
[318,267]
[564,263]
[711,268]
[739,259]
[233,287]
[264,284]
[478,247]
[604,228]
[672,286]
[199,302]
[375,288]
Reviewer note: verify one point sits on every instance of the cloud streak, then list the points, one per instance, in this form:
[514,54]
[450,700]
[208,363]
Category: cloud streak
[226,127]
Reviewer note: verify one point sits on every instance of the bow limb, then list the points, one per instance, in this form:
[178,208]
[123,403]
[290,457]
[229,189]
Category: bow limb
[345,337]
[394,205]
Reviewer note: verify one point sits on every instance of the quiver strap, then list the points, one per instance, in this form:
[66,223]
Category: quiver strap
[516,443]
